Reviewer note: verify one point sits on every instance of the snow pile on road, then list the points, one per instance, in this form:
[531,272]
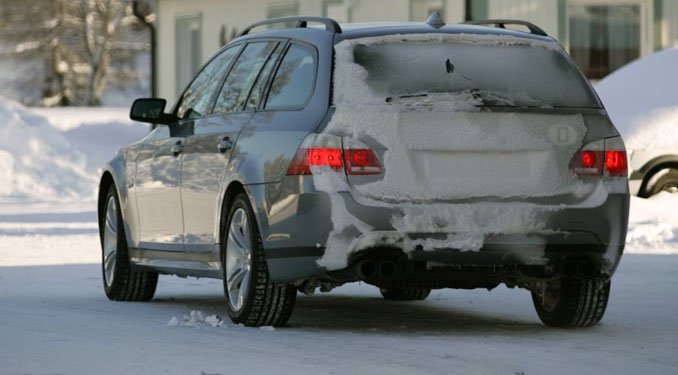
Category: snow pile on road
[196,319]
[642,100]
[36,160]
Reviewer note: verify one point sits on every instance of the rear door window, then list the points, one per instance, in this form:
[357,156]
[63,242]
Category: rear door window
[294,81]
[259,88]
[238,84]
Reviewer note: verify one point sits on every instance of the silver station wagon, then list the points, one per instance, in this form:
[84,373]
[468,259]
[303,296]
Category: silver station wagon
[411,157]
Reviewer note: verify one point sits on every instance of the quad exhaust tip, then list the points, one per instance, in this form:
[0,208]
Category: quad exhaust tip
[384,269]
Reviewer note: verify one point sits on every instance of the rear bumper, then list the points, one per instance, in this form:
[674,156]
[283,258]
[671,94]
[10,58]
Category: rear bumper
[300,235]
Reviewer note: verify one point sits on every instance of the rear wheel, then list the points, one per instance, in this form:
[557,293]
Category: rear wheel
[252,299]
[572,302]
[398,294]
[121,282]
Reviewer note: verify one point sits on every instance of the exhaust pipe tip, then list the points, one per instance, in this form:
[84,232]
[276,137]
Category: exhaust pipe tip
[570,269]
[367,269]
[588,269]
[387,269]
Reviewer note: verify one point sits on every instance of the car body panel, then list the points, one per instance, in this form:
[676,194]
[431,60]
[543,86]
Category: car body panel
[203,169]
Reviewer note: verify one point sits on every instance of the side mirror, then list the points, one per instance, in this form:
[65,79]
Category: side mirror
[150,110]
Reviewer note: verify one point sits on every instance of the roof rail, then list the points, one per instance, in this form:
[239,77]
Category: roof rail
[534,29]
[300,22]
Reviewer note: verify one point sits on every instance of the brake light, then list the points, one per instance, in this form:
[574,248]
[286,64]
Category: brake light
[602,156]
[361,161]
[589,163]
[615,163]
[357,159]
[324,156]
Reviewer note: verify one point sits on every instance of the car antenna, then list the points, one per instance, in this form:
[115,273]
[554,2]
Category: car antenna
[435,21]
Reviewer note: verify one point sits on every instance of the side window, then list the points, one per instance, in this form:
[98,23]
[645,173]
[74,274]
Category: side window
[294,80]
[259,87]
[196,100]
[237,86]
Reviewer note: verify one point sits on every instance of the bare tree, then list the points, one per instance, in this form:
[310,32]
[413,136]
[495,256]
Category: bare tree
[78,40]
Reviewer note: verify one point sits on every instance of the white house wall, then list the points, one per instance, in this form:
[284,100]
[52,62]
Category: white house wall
[543,13]
[670,23]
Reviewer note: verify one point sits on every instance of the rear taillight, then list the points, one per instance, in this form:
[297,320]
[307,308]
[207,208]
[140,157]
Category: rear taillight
[615,163]
[356,159]
[604,157]
[361,161]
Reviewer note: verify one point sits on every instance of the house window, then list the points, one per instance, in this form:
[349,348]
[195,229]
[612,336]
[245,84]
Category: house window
[603,37]
[188,48]
[421,9]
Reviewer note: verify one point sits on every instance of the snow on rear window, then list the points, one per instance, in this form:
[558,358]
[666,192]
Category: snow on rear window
[485,70]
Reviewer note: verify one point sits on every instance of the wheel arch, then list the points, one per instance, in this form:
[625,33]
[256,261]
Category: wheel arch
[254,196]
[650,169]
[105,184]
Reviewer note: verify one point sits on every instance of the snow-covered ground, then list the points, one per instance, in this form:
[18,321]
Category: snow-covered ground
[54,317]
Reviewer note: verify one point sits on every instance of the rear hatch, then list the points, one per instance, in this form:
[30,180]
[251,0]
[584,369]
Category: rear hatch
[455,117]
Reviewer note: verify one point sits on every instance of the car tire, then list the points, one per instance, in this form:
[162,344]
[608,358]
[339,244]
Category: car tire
[121,281]
[399,294]
[668,182]
[252,299]
[572,303]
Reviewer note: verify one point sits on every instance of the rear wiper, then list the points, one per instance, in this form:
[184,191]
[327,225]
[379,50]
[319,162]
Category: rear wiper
[407,96]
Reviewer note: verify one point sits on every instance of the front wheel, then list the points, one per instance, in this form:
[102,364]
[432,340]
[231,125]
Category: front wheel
[121,282]
[572,302]
[252,299]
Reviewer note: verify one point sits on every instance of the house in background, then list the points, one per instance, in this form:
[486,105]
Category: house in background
[601,35]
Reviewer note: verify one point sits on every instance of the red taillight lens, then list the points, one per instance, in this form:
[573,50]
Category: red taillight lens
[361,162]
[357,161]
[589,163]
[318,157]
[330,157]
[588,159]
[601,156]
[615,163]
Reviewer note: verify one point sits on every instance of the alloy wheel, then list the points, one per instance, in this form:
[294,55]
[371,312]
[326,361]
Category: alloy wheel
[110,240]
[238,259]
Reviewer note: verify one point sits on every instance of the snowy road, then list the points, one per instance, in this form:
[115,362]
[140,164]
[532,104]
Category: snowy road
[55,319]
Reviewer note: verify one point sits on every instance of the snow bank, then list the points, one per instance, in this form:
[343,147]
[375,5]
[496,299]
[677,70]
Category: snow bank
[36,161]
[653,225]
[97,133]
[642,100]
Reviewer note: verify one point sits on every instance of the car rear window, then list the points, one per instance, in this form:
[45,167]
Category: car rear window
[495,74]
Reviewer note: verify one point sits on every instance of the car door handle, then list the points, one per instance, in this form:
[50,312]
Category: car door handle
[178,148]
[225,145]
